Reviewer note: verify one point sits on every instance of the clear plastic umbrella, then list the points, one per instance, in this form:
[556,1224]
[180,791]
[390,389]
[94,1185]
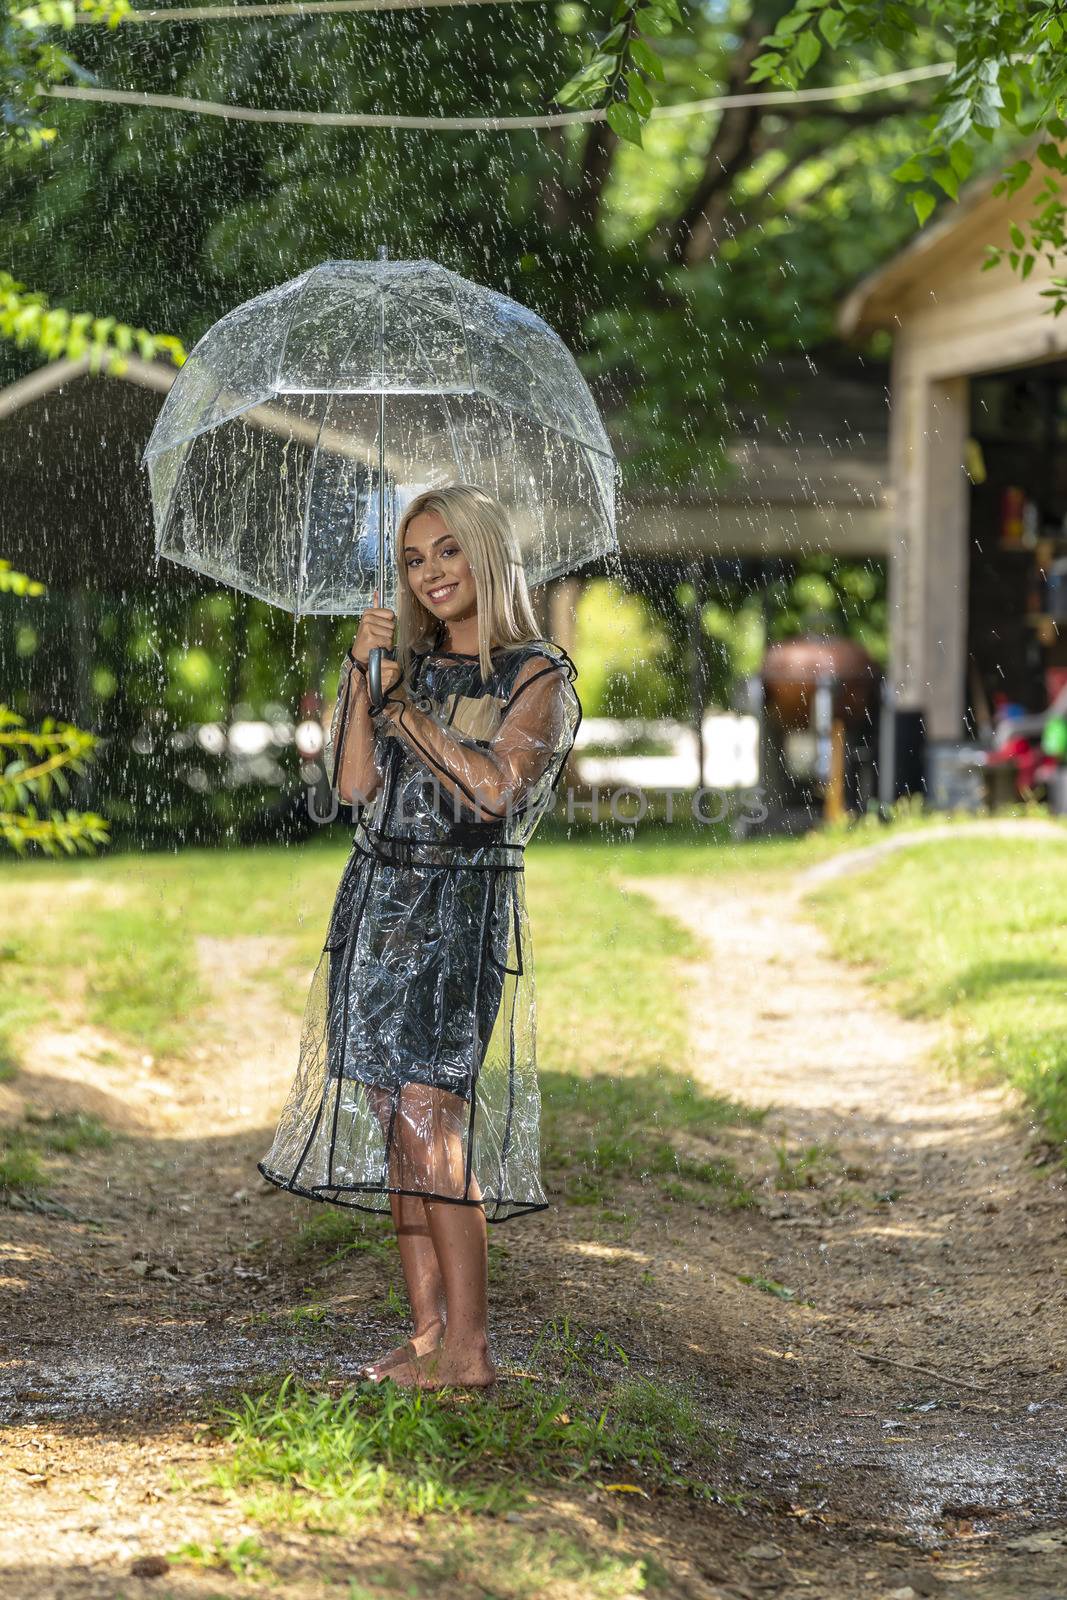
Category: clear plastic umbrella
[304,421]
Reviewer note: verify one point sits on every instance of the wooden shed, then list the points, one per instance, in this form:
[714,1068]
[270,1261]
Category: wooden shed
[978,473]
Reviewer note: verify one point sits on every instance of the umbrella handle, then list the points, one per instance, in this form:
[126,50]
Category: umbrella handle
[374,675]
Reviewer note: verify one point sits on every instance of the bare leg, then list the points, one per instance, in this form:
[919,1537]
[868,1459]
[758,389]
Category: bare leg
[431,1139]
[418,1259]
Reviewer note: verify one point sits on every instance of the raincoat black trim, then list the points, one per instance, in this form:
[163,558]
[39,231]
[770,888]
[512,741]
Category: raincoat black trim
[516,1208]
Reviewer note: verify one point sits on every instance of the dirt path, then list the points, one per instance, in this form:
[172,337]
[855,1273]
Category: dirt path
[899,1213]
[956,1270]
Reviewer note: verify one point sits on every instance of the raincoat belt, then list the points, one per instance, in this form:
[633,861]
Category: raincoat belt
[403,850]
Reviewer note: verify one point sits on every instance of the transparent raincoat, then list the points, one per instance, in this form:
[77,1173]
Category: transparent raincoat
[418,1071]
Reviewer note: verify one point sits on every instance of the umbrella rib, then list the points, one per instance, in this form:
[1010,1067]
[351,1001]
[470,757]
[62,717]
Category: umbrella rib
[306,519]
[284,348]
[463,330]
[444,400]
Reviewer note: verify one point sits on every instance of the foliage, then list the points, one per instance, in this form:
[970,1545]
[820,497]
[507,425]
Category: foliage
[1009,72]
[34,766]
[26,318]
[618,66]
[332,1459]
[654,263]
[30,60]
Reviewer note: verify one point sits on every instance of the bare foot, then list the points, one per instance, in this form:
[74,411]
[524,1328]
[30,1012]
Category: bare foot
[422,1343]
[465,1369]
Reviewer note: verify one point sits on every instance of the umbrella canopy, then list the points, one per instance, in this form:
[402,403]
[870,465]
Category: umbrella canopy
[304,421]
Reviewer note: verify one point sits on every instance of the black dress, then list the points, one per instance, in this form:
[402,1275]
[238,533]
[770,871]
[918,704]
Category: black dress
[418,1070]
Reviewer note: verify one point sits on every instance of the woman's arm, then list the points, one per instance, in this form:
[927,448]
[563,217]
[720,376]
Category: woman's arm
[494,779]
[355,774]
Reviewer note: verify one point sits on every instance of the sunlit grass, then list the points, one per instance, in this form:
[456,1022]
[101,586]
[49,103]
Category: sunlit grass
[970,932]
[327,1461]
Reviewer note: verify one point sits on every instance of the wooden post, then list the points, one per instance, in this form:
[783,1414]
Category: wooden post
[834,807]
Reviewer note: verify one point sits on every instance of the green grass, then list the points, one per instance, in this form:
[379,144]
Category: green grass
[972,933]
[611,1033]
[328,1461]
[331,1235]
[245,1559]
[59,1133]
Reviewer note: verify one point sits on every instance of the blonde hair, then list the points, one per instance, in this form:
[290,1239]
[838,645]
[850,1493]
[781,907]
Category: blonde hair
[481,527]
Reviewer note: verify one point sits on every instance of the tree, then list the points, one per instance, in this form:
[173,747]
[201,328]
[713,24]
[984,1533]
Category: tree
[35,766]
[1009,76]
[677,269]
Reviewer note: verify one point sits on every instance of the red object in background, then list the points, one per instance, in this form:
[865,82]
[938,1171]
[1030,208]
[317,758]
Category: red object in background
[1026,756]
[1012,504]
[1055,678]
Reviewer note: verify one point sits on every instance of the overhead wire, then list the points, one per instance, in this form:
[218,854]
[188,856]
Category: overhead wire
[551,119]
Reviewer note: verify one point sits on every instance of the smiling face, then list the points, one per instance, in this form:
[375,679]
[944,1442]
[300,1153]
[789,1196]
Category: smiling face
[438,572]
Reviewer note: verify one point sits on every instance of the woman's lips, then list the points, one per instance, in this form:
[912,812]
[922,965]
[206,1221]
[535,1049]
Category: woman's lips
[437,596]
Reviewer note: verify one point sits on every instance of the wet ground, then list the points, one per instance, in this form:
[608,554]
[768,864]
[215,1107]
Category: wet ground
[891,1377]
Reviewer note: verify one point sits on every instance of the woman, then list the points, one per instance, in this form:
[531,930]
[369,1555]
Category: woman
[417,1088]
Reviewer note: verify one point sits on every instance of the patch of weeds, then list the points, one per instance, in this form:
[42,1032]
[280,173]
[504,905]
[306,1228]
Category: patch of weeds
[566,1346]
[9,1067]
[245,1559]
[396,1305]
[20,1165]
[636,1155]
[771,1286]
[598,1129]
[68,1133]
[801,1169]
[58,1133]
[326,1460]
[334,1234]
[679,1192]
[720,1175]
[307,1320]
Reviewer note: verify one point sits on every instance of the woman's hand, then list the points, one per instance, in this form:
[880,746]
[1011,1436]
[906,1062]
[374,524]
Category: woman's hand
[391,676]
[375,631]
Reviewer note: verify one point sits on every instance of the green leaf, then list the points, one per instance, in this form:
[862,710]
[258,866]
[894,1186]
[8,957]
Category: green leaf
[639,94]
[922,203]
[1028,265]
[1015,177]
[961,159]
[764,67]
[653,22]
[1050,156]
[616,36]
[911,171]
[643,56]
[946,179]
[1018,237]
[792,22]
[832,26]
[808,50]
[625,121]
